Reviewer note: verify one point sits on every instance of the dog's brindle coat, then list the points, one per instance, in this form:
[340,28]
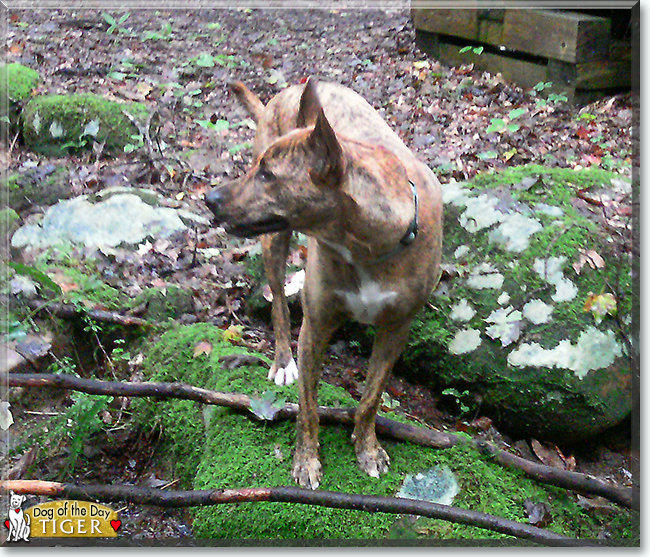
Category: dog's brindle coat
[327,165]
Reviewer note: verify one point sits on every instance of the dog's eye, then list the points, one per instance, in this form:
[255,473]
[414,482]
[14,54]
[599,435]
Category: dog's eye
[265,174]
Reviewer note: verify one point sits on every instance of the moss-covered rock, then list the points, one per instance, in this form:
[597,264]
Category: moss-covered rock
[43,185]
[214,447]
[167,303]
[54,125]
[16,84]
[511,327]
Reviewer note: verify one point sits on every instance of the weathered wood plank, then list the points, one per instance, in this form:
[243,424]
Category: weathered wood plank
[459,23]
[615,73]
[490,32]
[558,35]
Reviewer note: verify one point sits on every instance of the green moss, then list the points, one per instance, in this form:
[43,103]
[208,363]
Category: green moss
[16,84]
[218,448]
[556,181]
[56,124]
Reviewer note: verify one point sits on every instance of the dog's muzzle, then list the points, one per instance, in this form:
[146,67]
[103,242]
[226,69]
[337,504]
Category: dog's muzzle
[215,199]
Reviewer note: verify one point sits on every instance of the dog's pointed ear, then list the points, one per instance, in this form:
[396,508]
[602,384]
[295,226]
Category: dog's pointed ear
[327,162]
[309,105]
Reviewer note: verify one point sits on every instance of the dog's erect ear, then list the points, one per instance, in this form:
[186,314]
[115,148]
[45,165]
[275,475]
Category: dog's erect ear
[250,100]
[309,105]
[327,162]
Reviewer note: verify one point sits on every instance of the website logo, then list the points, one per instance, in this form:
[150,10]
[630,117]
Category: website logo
[60,519]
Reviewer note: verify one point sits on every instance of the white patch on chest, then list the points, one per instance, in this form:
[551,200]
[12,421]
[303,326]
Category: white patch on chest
[366,303]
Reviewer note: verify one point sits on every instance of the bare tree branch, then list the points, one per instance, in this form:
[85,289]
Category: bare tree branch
[331,499]
[70,311]
[389,428]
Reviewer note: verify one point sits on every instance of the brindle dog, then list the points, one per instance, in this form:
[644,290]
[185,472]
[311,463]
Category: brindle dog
[326,164]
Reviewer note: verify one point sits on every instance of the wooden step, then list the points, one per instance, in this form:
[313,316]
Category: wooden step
[572,50]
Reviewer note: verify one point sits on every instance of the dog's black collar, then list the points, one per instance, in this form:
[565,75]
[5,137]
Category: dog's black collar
[411,231]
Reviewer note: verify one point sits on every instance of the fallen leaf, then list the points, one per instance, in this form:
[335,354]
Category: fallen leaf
[233,334]
[596,502]
[549,456]
[509,154]
[483,423]
[33,347]
[25,462]
[267,406]
[24,286]
[590,257]
[553,456]
[201,348]
[600,305]
[538,513]
[143,89]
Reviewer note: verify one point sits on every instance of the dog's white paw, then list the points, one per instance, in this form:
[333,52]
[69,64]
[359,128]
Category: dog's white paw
[307,470]
[284,375]
[374,461]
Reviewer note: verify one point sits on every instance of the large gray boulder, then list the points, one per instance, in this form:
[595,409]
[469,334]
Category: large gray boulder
[533,321]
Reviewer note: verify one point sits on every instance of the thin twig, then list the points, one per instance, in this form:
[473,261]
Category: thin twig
[565,479]
[331,499]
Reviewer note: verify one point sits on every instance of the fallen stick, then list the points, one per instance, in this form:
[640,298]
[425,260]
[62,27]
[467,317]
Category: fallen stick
[70,311]
[565,479]
[332,499]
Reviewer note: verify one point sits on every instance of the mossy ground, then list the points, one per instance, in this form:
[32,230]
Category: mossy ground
[55,125]
[212,447]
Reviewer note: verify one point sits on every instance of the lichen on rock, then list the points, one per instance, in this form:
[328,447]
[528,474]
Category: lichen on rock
[511,323]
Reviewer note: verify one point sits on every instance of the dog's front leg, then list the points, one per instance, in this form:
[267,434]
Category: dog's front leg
[318,325]
[389,343]
[275,250]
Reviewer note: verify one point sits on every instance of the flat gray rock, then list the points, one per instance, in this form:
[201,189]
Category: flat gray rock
[119,217]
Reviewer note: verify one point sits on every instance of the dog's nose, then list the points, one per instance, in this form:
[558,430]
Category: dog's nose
[214,199]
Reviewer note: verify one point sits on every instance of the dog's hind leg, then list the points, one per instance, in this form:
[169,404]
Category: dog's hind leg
[389,343]
[275,250]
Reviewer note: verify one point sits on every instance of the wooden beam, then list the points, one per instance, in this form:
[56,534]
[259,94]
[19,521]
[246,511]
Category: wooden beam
[459,23]
[558,35]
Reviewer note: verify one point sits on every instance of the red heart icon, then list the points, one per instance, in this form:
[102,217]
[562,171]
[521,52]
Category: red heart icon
[7,523]
[116,524]
[17,510]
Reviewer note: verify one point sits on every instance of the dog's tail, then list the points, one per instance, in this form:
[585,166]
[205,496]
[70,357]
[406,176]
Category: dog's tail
[250,100]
